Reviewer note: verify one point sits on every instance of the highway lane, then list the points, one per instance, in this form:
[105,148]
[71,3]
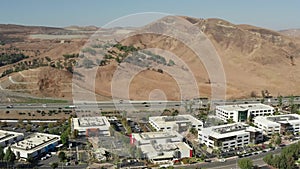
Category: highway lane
[145,105]
[139,105]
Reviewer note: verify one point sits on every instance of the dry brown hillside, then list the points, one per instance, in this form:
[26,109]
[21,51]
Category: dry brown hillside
[253,58]
[293,33]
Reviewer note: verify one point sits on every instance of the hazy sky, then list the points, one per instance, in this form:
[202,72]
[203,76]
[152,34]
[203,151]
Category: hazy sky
[274,14]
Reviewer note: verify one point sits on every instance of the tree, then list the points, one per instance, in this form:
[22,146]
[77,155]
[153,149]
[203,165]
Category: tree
[54,165]
[263,94]
[1,153]
[229,121]
[3,124]
[262,100]
[253,94]
[175,112]
[245,163]
[30,160]
[28,127]
[278,140]
[9,155]
[202,116]
[268,159]
[292,105]
[64,137]
[20,123]
[50,125]
[280,101]
[75,133]
[217,151]
[160,71]
[62,156]
[194,131]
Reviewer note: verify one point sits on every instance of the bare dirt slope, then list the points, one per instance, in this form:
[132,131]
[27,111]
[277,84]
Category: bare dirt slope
[253,58]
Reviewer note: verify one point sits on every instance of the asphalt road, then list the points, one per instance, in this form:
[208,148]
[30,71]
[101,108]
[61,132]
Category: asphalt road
[140,105]
[232,163]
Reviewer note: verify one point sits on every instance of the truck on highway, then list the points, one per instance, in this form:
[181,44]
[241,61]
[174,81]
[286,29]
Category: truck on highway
[71,107]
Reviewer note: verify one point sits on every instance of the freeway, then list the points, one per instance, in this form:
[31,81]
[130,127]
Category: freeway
[139,105]
[132,105]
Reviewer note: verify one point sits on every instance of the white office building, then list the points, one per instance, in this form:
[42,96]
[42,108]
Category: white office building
[279,124]
[241,112]
[230,136]
[180,123]
[35,145]
[91,126]
[162,146]
[9,137]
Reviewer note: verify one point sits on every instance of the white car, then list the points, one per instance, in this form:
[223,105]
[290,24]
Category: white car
[222,160]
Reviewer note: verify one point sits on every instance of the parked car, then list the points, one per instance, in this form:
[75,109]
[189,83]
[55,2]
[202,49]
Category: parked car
[222,160]
[207,160]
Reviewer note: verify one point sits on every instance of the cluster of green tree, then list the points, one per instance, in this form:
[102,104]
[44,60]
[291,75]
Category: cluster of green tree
[293,107]
[68,64]
[108,56]
[62,156]
[245,163]
[156,58]
[10,58]
[65,131]
[124,48]
[139,59]
[126,126]
[8,156]
[194,131]
[202,115]
[25,65]
[168,112]
[101,62]
[171,63]
[275,139]
[287,158]
[69,56]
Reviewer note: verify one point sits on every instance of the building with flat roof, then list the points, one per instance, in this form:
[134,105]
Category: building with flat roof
[35,145]
[91,126]
[9,137]
[279,124]
[180,123]
[162,146]
[241,112]
[230,136]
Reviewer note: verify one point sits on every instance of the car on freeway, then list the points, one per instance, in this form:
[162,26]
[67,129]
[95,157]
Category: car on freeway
[10,106]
